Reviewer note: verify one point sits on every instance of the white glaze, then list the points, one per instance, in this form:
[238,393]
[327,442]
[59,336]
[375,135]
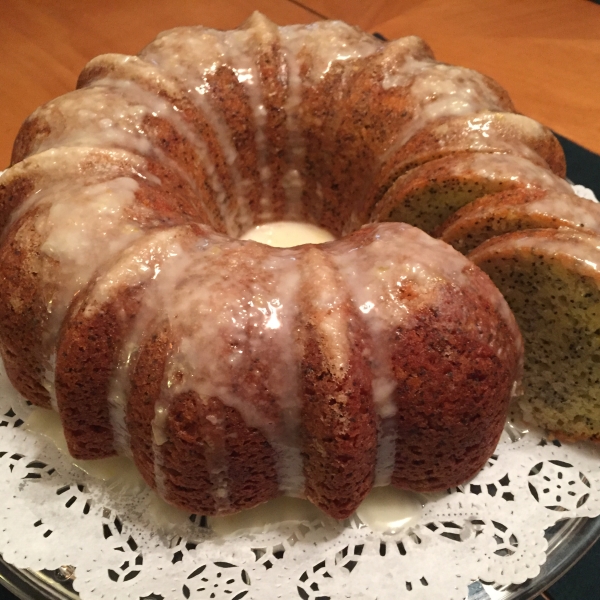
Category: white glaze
[138,263]
[572,211]
[327,299]
[117,402]
[579,250]
[111,114]
[482,132]
[504,167]
[269,515]
[118,472]
[389,510]
[82,227]
[286,234]
[322,44]
[292,180]
[438,90]
[259,29]
[159,425]
[91,123]
[445,90]
[166,518]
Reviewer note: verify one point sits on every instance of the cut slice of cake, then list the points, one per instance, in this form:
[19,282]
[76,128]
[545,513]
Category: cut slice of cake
[551,280]
[486,131]
[515,210]
[427,195]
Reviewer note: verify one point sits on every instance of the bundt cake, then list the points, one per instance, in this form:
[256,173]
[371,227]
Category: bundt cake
[551,280]
[230,371]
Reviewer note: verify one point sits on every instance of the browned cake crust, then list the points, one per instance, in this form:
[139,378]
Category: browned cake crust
[462,387]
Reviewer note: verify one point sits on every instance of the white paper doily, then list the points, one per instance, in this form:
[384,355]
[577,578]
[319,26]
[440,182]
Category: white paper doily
[492,530]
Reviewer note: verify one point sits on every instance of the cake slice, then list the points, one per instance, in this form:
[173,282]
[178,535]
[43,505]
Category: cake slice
[551,280]
[514,210]
[486,131]
[427,195]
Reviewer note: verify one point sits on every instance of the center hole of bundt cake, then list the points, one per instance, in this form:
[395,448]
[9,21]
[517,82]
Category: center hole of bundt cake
[285,234]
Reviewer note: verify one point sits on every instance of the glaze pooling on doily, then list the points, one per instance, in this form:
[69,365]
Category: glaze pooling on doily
[491,529]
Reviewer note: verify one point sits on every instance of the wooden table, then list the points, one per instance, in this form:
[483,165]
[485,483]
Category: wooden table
[545,52]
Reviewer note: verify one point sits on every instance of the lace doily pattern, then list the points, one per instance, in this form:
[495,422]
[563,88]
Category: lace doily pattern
[489,530]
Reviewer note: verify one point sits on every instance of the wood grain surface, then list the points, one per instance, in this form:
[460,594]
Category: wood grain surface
[546,53]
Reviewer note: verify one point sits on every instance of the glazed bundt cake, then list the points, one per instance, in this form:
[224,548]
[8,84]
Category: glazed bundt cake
[230,371]
[312,374]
